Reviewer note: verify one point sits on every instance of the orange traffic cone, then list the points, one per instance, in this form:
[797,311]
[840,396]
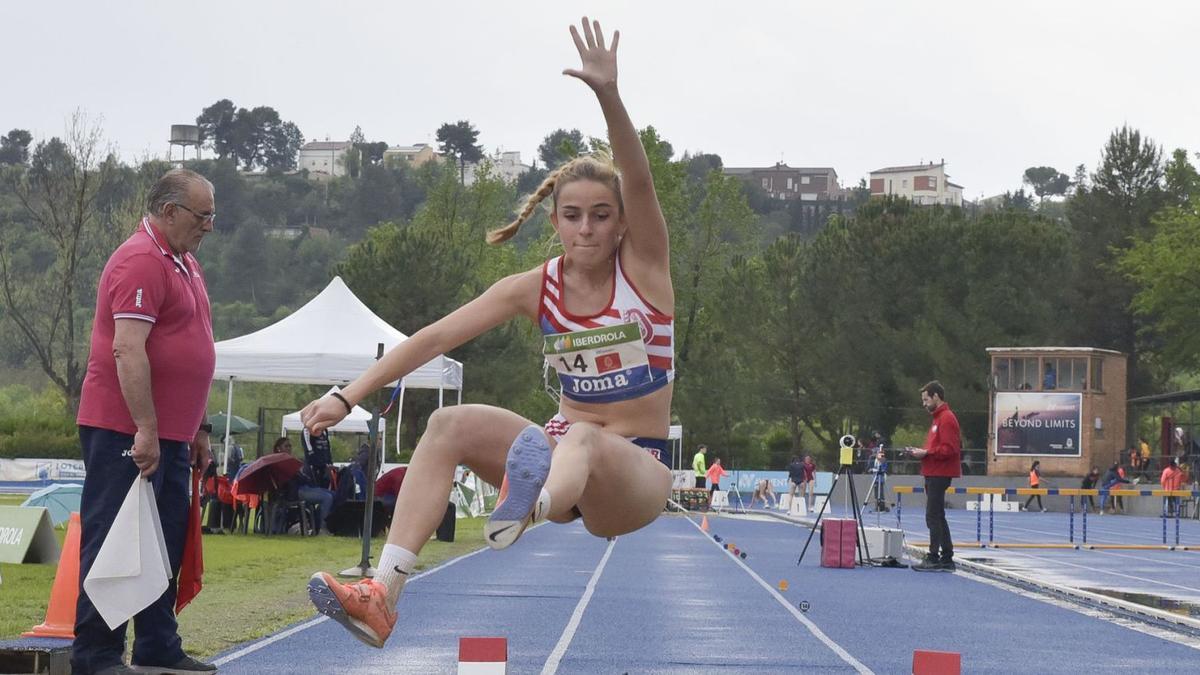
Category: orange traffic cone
[60,615]
[704,524]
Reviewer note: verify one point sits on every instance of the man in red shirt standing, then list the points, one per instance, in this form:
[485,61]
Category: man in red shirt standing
[142,409]
[940,463]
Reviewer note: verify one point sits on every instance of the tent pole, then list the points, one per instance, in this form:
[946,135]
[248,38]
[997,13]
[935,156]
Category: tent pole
[399,412]
[228,421]
[441,379]
[364,568]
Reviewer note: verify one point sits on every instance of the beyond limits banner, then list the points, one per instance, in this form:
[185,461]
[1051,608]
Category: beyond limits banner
[1028,423]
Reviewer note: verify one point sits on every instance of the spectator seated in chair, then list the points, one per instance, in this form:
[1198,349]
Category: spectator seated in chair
[302,490]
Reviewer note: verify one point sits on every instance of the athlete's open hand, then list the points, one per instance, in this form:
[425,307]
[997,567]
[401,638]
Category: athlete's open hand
[599,69]
[322,414]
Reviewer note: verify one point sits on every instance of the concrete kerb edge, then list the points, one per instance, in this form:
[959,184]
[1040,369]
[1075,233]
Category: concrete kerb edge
[1123,608]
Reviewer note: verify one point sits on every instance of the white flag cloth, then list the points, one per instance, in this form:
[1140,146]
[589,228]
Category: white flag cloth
[132,569]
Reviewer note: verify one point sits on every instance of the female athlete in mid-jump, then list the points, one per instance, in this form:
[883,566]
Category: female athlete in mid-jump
[604,308]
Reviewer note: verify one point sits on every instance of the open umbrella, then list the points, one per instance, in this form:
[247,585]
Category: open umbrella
[268,473]
[60,500]
[237,425]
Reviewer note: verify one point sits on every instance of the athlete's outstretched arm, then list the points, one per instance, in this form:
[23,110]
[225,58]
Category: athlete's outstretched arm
[647,227]
[510,297]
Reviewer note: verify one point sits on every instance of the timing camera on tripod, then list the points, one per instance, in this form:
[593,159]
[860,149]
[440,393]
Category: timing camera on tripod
[845,468]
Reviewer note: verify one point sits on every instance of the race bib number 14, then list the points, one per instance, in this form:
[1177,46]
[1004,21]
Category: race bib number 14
[596,364]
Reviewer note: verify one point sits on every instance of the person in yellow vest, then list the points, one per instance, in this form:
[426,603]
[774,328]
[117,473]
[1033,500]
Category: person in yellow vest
[1035,481]
[698,466]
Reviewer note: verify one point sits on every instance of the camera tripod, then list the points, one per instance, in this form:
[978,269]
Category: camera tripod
[876,492]
[864,552]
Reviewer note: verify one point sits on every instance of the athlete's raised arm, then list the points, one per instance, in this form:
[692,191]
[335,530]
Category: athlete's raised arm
[647,227]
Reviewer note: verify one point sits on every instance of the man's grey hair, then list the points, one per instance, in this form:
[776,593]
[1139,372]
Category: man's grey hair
[173,188]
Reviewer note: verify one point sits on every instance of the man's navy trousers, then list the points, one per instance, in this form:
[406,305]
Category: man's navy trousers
[110,474]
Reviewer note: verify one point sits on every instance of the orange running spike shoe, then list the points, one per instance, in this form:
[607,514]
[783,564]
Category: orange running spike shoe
[361,607]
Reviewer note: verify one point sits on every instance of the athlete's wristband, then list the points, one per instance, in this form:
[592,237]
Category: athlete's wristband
[349,408]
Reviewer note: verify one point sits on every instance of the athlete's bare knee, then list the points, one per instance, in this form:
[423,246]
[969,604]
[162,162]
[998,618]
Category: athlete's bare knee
[580,439]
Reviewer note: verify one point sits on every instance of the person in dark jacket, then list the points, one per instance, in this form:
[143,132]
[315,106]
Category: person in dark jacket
[1089,483]
[1112,478]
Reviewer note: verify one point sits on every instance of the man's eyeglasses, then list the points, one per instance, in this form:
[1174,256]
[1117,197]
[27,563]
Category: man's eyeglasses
[210,217]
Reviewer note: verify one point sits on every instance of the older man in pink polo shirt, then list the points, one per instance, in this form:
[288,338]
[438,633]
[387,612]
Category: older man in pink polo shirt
[142,408]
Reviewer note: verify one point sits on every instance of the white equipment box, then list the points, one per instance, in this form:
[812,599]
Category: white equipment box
[885,542]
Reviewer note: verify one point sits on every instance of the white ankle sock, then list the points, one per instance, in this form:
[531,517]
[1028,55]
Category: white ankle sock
[543,506]
[395,564]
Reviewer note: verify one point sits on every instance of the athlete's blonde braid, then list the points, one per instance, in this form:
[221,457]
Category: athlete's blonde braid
[503,234]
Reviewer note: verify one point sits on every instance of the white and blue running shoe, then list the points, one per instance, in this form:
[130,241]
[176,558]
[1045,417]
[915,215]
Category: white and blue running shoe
[525,473]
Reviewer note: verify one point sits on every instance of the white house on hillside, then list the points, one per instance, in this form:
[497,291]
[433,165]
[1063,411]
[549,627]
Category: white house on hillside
[920,183]
[506,165]
[324,157]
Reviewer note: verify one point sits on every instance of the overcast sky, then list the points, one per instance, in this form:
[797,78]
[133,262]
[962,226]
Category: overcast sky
[852,85]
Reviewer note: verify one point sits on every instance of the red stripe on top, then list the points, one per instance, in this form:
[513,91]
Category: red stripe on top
[660,341]
[483,649]
[585,322]
[549,316]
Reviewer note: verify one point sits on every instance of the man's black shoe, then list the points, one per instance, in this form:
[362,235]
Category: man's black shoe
[948,565]
[119,669]
[184,666]
[928,564]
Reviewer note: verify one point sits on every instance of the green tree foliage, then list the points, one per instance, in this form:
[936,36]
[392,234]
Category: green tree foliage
[847,325]
[1167,277]
[1106,217]
[560,147]
[460,141]
[412,274]
[1182,179]
[1046,181]
[14,147]
[51,248]
[216,127]
[254,138]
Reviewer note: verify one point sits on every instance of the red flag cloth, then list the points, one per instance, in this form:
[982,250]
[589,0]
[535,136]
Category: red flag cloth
[191,570]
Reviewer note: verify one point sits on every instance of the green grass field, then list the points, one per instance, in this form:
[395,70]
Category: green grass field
[253,585]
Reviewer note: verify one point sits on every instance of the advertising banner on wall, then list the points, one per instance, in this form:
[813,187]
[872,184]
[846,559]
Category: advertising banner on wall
[1035,423]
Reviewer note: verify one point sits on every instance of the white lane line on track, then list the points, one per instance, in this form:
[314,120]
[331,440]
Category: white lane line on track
[568,634]
[266,642]
[812,627]
[1131,624]
[1156,561]
[1103,571]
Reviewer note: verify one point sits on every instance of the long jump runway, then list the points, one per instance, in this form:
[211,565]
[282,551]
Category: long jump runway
[668,599]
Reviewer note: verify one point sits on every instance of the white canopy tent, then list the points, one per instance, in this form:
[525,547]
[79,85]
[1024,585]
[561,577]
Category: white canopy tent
[357,422]
[330,340]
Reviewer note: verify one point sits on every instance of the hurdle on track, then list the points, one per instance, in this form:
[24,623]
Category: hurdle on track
[1073,493]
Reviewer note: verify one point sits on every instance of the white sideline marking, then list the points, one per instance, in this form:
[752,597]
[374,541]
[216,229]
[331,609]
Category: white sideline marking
[568,633]
[250,649]
[1090,612]
[812,627]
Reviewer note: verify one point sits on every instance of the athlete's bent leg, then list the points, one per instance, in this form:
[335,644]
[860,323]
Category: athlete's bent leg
[475,435]
[618,486]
